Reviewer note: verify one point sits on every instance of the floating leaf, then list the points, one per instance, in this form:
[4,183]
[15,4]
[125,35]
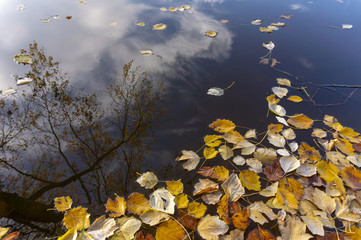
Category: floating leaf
[250,180]
[147,180]
[346,26]
[225,151]
[205,186]
[163,9]
[116,207]
[295,98]
[286,198]
[215,91]
[140,24]
[159,26]
[241,219]
[283,82]
[319,133]
[189,222]
[257,209]
[266,29]
[300,121]
[181,201]
[153,217]
[175,187]
[274,172]
[270,191]
[224,21]
[239,160]
[170,230]
[255,165]
[173,9]
[279,24]
[277,109]
[289,134]
[220,173]
[306,152]
[192,157]
[128,227]
[327,170]
[210,153]
[196,210]
[265,155]
[306,170]
[162,200]
[63,203]
[222,125]
[69,235]
[276,140]
[289,164]
[222,209]
[270,45]
[146,52]
[352,177]
[286,16]
[102,228]
[212,198]
[280,91]
[250,134]
[260,233]
[209,227]
[137,203]
[211,34]
[77,218]
[233,187]
[212,140]
[257,22]
[323,201]
[3,231]
[24,59]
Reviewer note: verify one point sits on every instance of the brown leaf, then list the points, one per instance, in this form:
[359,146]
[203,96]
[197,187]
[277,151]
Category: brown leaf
[352,177]
[234,207]
[116,207]
[274,62]
[222,209]
[241,219]
[12,236]
[260,234]
[331,236]
[307,152]
[140,236]
[189,222]
[357,147]
[274,172]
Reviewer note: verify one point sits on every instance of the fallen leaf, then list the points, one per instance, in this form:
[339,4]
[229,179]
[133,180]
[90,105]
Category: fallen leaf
[327,170]
[116,207]
[319,133]
[239,160]
[257,22]
[192,157]
[159,26]
[306,152]
[233,235]
[293,229]
[295,98]
[77,218]
[211,34]
[277,109]
[222,125]
[196,209]
[189,222]
[147,180]
[250,180]
[306,170]
[170,229]
[210,227]
[233,187]
[270,191]
[102,228]
[212,140]
[63,203]
[162,200]
[146,52]
[225,151]
[181,201]
[140,24]
[286,16]
[280,91]
[68,17]
[283,82]
[346,26]
[222,209]
[215,91]
[260,234]
[270,45]
[163,9]
[324,202]
[212,198]
[24,59]
[173,9]
[352,177]
[175,187]
[276,140]
[12,236]
[205,186]
[224,21]
[241,219]
[137,203]
[3,231]
[289,164]
[254,164]
[274,172]
[153,217]
[300,121]
[274,62]
[286,198]
[210,153]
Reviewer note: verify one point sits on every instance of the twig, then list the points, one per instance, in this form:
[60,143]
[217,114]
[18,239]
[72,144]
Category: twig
[337,104]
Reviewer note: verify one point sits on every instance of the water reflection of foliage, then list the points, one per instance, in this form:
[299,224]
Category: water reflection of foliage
[55,140]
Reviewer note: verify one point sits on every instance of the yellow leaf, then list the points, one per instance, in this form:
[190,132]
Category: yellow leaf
[211,34]
[327,170]
[275,128]
[69,235]
[222,209]
[309,153]
[210,227]
[293,186]
[283,82]
[329,120]
[233,137]
[77,218]
[170,230]
[220,173]
[153,217]
[265,29]
[324,202]
[250,180]
[210,153]
[141,24]
[222,125]
[63,203]
[344,146]
[3,231]
[352,177]
[295,98]
[137,203]
[318,133]
[348,132]
[196,209]
[270,191]
[181,201]
[271,99]
[116,207]
[314,225]
[175,187]
[354,234]
[286,198]
[300,121]
[225,151]
[241,219]
[211,140]
[173,9]
[159,26]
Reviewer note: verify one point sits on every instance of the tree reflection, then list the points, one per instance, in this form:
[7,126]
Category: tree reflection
[56,141]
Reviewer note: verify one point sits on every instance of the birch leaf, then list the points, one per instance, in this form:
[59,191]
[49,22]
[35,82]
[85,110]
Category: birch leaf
[277,109]
[196,210]
[215,91]
[283,82]
[192,157]
[294,229]
[181,201]
[257,22]
[319,133]
[128,227]
[270,191]
[255,165]
[250,180]
[8,91]
[210,153]
[77,218]
[137,203]
[327,170]
[147,180]
[300,121]
[116,207]
[222,209]
[146,52]
[152,217]
[212,140]
[212,198]
[24,59]
[306,170]
[222,125]
[251,134]
[324,202]
[279,91]
[225,151]
[289,134]
[175,187]
[233,235]
[239,160]
[211,34]
[352,177]
[162,200]
[205,186]
[260,233]
[276,140]
[170,230]
[102,228]
[314,225]
[295,99]
[159,26]
[270,46]
[233,187]
[63,203]
[289,164]
[210,227]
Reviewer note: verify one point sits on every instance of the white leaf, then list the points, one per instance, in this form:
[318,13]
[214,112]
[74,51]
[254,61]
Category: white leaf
[289,164]
[306,170]
[270,46]
[147,180]
[212,198]
[276,140]
[128,227]
[293,146]
[257,22]
[355,159]
[239,160]
[347,26]
[250,134]
[277,109]
[282,120]
[153,217]
[210,227]
[233,187]
[314,225]
[146,52]
[23,81]
[102,228]
[283,152]
[270,191]
[255,165]
[280,91]
[192,157]
[289,134]
[162,200]
[215,91]
[8,91]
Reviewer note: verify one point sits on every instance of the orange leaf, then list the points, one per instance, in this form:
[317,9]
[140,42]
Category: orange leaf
[344,146]
[140,236]
[77,218]
[12,236]
[222,125]
[241,219]
[307,152]
[260,234]
[137,203]
[352,177]
[222,209]
[116,207]
[189,222]
[300,121]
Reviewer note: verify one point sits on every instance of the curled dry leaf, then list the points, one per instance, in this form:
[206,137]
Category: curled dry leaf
[270,45]
[215,91]
[162,200]
[102,228]
[116,207]
[205,186]
[192,157]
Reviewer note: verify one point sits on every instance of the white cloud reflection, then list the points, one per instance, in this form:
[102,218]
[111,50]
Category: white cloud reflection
[79,42]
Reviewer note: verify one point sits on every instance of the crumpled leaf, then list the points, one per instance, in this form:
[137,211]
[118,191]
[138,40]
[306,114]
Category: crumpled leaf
[153,217]
[137,203]
[233,187]
[170,230]
[102,228]
[63,203]
[116,207]
[300,121]
[211,34]
[77,218]
[205,186]
[159,26]
[23,81]
[250,180]
[162,200]
[250,134]
[147,180]
[210,227]
[192,157]
[215,91]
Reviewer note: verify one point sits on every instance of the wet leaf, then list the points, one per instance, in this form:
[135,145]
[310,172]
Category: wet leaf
[250,134]
[260,234]
[286,198]
[3,231]
[102,228]
[270,191]
[224,21]
[189,222]
[24,59]
[289,134]
[295,98]
[170,230]
[294,229]
[175,187]
[318,133]
[306,152]
[137,203]
[162,200]
[354,234]
[140,24]
[289,164]
[300,121]
[225,151]
[211,34]
[257,209]
[233,187]
[277,109]
[352,177]
[181,201]
[274,172]
[159,26]
[255,165]
[274,62]
[324,202]
[280,91]
[241,219]
[215,91]
[257,22]
[327,170]
[192,157]
[283,82]
[116,207]
[222,125]
[279,24]
[270,45]
[306,170]
[147,180]
[266,29]
[163,9]
[212,140]
[222,209]
[210,227]
[235,234]
[233,137]
[69,235]
[344,146]
[153,217]
[63,203]
[210,153]
[264,61]
[77,218]
[250,180]
[68,17]
[212,198]
[346,26]
[146,52]
[276,140]
[172,9]
[286,16]
[205,186]
[239,160]
[196,209]
[265,155]
[220,173]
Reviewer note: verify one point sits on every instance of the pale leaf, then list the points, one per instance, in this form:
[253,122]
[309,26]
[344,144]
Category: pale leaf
[225,151]
[239,160]
[212,198]
[324,202]
[257,22]
[102,228]
[147,180]
[162,200]
[128,227]
[233,187]
[215,91]
[250,134]
[306,170]
[279,91]
[289,134]
[276,140]
[283,82]
[289,164]
[293,229]
[270,46]
[254,164]
[235,234]
[210,227]
[159,26]
[277,109]
[192,157]
[314,225]
[282,120]
[270,191]
[153,217]
[205,186]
